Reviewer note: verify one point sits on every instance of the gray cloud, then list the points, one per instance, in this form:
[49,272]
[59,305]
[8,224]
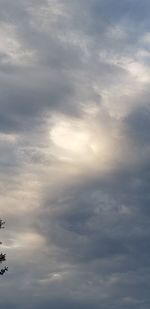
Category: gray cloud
[74,145]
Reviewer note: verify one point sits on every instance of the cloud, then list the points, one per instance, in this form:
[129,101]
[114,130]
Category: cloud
[74,145]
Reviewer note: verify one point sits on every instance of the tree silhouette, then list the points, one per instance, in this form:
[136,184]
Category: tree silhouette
[2,255]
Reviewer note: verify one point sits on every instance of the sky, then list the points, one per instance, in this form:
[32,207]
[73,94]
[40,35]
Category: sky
[75,153]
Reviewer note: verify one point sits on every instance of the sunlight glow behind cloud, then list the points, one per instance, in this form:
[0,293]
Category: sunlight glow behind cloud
[74,153]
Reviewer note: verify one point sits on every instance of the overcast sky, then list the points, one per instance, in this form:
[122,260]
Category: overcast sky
[75,153]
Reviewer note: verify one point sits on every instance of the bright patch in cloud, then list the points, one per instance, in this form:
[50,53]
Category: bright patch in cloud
[85,142]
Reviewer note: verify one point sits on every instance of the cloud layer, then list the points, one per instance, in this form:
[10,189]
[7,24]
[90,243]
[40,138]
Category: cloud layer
[75,148]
